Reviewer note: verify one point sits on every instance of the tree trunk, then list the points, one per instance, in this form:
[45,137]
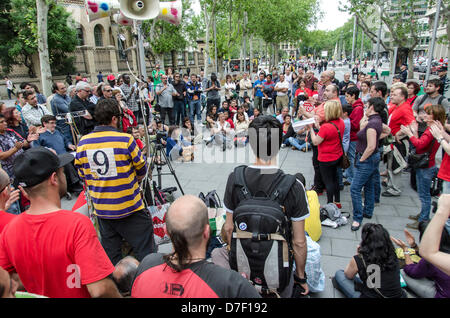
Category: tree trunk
[411,63]
[251,54]
[44,59]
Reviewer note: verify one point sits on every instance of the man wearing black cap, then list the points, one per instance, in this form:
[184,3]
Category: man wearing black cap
[56,253]
[404,73]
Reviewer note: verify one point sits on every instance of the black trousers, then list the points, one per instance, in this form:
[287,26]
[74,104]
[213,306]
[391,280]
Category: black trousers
[136,229]
[330,177]
[167,111]
[318,182]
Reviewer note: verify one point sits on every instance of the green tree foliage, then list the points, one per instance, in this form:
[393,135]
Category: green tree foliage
[318,40]
[62,38]
[7,34]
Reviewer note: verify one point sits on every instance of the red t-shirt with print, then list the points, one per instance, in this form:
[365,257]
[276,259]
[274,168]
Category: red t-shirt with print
[55,254]
[330,149]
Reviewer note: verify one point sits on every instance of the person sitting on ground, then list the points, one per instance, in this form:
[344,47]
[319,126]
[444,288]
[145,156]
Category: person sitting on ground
[134,131]
[241,129]
[175,143]
[124,274]
[222,133]
[290,136]
[32,112]
[256,114]
[185,270]
[248,106]
[423,278]
[42,244]
[211,117]
[375,249]
[240,110]
[284,112]
[229,119]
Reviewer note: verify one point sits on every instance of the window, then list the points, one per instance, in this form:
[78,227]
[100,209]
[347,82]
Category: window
[80,36]
[181,59]
[98,35]
[191,58]
[168,59]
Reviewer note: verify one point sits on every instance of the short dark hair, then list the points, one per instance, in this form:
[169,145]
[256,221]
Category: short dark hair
[346,108]
[265,131]
[24,84]
[27,93]
[353,91]
[46,118]
[381,86]
[435,81]
[105,110]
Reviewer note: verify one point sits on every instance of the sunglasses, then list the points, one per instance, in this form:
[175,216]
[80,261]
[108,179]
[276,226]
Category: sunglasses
[108,90]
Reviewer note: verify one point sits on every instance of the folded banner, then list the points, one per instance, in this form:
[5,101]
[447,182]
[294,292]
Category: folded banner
[302,123]
[158,215]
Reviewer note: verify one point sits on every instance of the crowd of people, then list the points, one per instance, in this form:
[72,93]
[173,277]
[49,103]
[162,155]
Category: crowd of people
[92,136]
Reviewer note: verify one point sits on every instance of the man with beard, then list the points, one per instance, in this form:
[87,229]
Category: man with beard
[55,252]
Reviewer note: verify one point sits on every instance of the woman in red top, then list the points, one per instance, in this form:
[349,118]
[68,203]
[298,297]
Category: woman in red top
[425,144]
[329,142]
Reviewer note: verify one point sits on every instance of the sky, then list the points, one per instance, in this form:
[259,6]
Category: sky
[333,18]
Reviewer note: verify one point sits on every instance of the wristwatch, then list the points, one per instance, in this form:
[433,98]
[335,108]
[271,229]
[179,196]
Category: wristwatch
[299,280]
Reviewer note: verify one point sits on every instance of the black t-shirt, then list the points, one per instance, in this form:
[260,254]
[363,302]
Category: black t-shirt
[389,282]
[296,202]
[156,279]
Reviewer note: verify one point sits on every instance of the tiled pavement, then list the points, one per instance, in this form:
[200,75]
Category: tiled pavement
[337,245]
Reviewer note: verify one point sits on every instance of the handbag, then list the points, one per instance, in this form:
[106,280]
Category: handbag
[345,162]
[420,161]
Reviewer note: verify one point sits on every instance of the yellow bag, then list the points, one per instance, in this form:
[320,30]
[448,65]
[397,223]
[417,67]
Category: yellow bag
[313,226]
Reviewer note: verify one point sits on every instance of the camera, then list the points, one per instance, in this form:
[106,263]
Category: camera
[160,134]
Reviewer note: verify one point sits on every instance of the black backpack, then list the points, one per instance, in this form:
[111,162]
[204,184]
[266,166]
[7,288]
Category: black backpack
[212,199]
[261,240]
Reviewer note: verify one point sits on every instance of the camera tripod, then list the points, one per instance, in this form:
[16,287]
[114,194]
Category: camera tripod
[157,156]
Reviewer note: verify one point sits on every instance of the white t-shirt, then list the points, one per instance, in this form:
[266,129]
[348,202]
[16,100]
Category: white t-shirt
[9,85]
[288,78]
[284,84]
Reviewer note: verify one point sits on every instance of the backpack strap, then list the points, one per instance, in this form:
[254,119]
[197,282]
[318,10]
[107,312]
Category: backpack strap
[239,176]
[282,188]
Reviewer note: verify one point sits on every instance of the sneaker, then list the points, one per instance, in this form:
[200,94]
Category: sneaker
[329,223]
[414,225]
[414,217]
[338,205]
[283,146]
[389,194]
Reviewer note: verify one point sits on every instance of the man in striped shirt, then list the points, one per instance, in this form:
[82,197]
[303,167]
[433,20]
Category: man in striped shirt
[112,165]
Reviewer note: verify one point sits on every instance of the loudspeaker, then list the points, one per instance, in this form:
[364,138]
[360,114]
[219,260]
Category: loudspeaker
[121,19]
[140,9]
[97,9]
[171,11]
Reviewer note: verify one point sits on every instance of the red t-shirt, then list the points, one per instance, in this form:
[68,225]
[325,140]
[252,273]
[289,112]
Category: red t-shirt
[400,115]
[330,149]
[5,218]
[55,254]
[231,123]
[444,170]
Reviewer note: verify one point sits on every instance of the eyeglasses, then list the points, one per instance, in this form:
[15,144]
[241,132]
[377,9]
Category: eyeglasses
[108,90]
[87,91]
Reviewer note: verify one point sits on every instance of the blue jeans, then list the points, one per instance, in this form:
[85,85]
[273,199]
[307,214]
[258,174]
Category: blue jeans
[424,177]
[179,109]
[296,143]
[347,286]
[351,157]
[195,108]
[340,174]
[364,178]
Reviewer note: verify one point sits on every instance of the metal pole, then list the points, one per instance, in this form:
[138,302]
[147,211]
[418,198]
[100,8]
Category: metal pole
[245,42]
[433,40]
[354,39]
[140,48]
[378,40]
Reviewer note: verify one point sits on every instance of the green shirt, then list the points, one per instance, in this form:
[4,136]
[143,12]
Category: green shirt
[158,80]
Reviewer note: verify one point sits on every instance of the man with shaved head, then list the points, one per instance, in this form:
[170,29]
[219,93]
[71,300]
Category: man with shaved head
[326,78]
[190,275]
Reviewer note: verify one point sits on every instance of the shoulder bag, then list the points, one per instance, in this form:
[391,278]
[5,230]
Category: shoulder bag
[421,161]
[345,163]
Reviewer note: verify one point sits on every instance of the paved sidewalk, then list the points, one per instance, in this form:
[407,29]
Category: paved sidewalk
[337,245]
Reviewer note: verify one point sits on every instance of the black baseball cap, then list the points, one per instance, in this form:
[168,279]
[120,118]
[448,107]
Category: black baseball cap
[37,165]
